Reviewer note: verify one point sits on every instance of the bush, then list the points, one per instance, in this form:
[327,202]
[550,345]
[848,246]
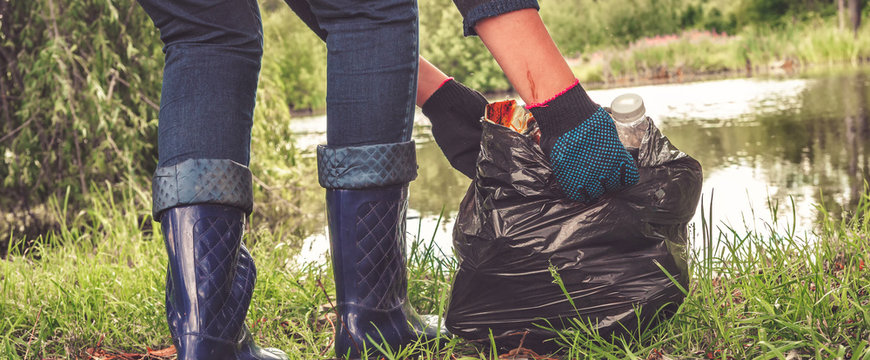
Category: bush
[466,58]
[80,85]
[293,76]
[294,62]
[588,24]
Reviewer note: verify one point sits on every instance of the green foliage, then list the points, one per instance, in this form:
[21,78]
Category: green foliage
[716,20]
[816,42]
[80,94]
[293,76]
[630,20]
[588,24]
[778,13]
[294,61]
[762,11]
[466,58]
[572,24]
[585,25]
[80,87]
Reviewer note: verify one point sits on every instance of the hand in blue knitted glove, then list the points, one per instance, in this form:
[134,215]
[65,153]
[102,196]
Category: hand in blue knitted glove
[589,160]
[584,149]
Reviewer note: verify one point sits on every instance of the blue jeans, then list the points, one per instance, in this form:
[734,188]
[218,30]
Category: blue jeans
[472,11]
[213,53]
[475,10]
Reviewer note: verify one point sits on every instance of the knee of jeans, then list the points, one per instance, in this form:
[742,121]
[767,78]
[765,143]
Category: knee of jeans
[475,10]
[246,43]
[229,24]
[354,15]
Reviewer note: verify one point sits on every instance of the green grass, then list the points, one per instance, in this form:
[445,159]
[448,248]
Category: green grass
[99,280]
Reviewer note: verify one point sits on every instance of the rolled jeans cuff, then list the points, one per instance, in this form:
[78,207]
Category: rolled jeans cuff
[202,181]
[366,166]
[476,10]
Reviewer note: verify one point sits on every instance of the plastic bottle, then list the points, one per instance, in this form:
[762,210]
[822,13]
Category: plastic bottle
[629,114]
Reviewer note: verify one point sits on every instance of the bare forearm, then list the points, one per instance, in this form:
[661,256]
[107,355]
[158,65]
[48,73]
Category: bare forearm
[522,46]
[429,79]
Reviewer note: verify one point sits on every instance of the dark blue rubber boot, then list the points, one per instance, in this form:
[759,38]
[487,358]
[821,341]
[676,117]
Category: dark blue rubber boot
[209,284]
[367,236]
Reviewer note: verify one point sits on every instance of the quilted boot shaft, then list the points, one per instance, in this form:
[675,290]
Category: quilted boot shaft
[210,280]
[367,236]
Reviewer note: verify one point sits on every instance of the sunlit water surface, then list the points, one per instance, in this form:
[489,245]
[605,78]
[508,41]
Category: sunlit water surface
[771,150]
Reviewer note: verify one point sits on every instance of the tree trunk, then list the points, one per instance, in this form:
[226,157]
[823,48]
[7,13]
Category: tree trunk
[855,15]
[841,14]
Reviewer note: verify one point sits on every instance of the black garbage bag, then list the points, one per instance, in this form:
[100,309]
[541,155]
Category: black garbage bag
[514,226]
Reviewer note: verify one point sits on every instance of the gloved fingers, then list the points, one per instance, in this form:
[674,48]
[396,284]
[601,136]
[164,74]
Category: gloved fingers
[628,173]
[581,195]
[595,189]
[612,182]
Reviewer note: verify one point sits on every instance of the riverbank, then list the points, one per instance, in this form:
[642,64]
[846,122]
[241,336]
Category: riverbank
[702,55]
[96,287]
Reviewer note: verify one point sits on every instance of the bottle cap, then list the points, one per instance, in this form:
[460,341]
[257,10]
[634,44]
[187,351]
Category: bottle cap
[627,108]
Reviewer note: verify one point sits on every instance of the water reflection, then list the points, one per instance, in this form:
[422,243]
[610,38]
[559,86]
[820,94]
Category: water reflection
[762,143]
[813,151]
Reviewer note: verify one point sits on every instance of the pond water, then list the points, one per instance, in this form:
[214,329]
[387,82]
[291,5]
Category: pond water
[771,149]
